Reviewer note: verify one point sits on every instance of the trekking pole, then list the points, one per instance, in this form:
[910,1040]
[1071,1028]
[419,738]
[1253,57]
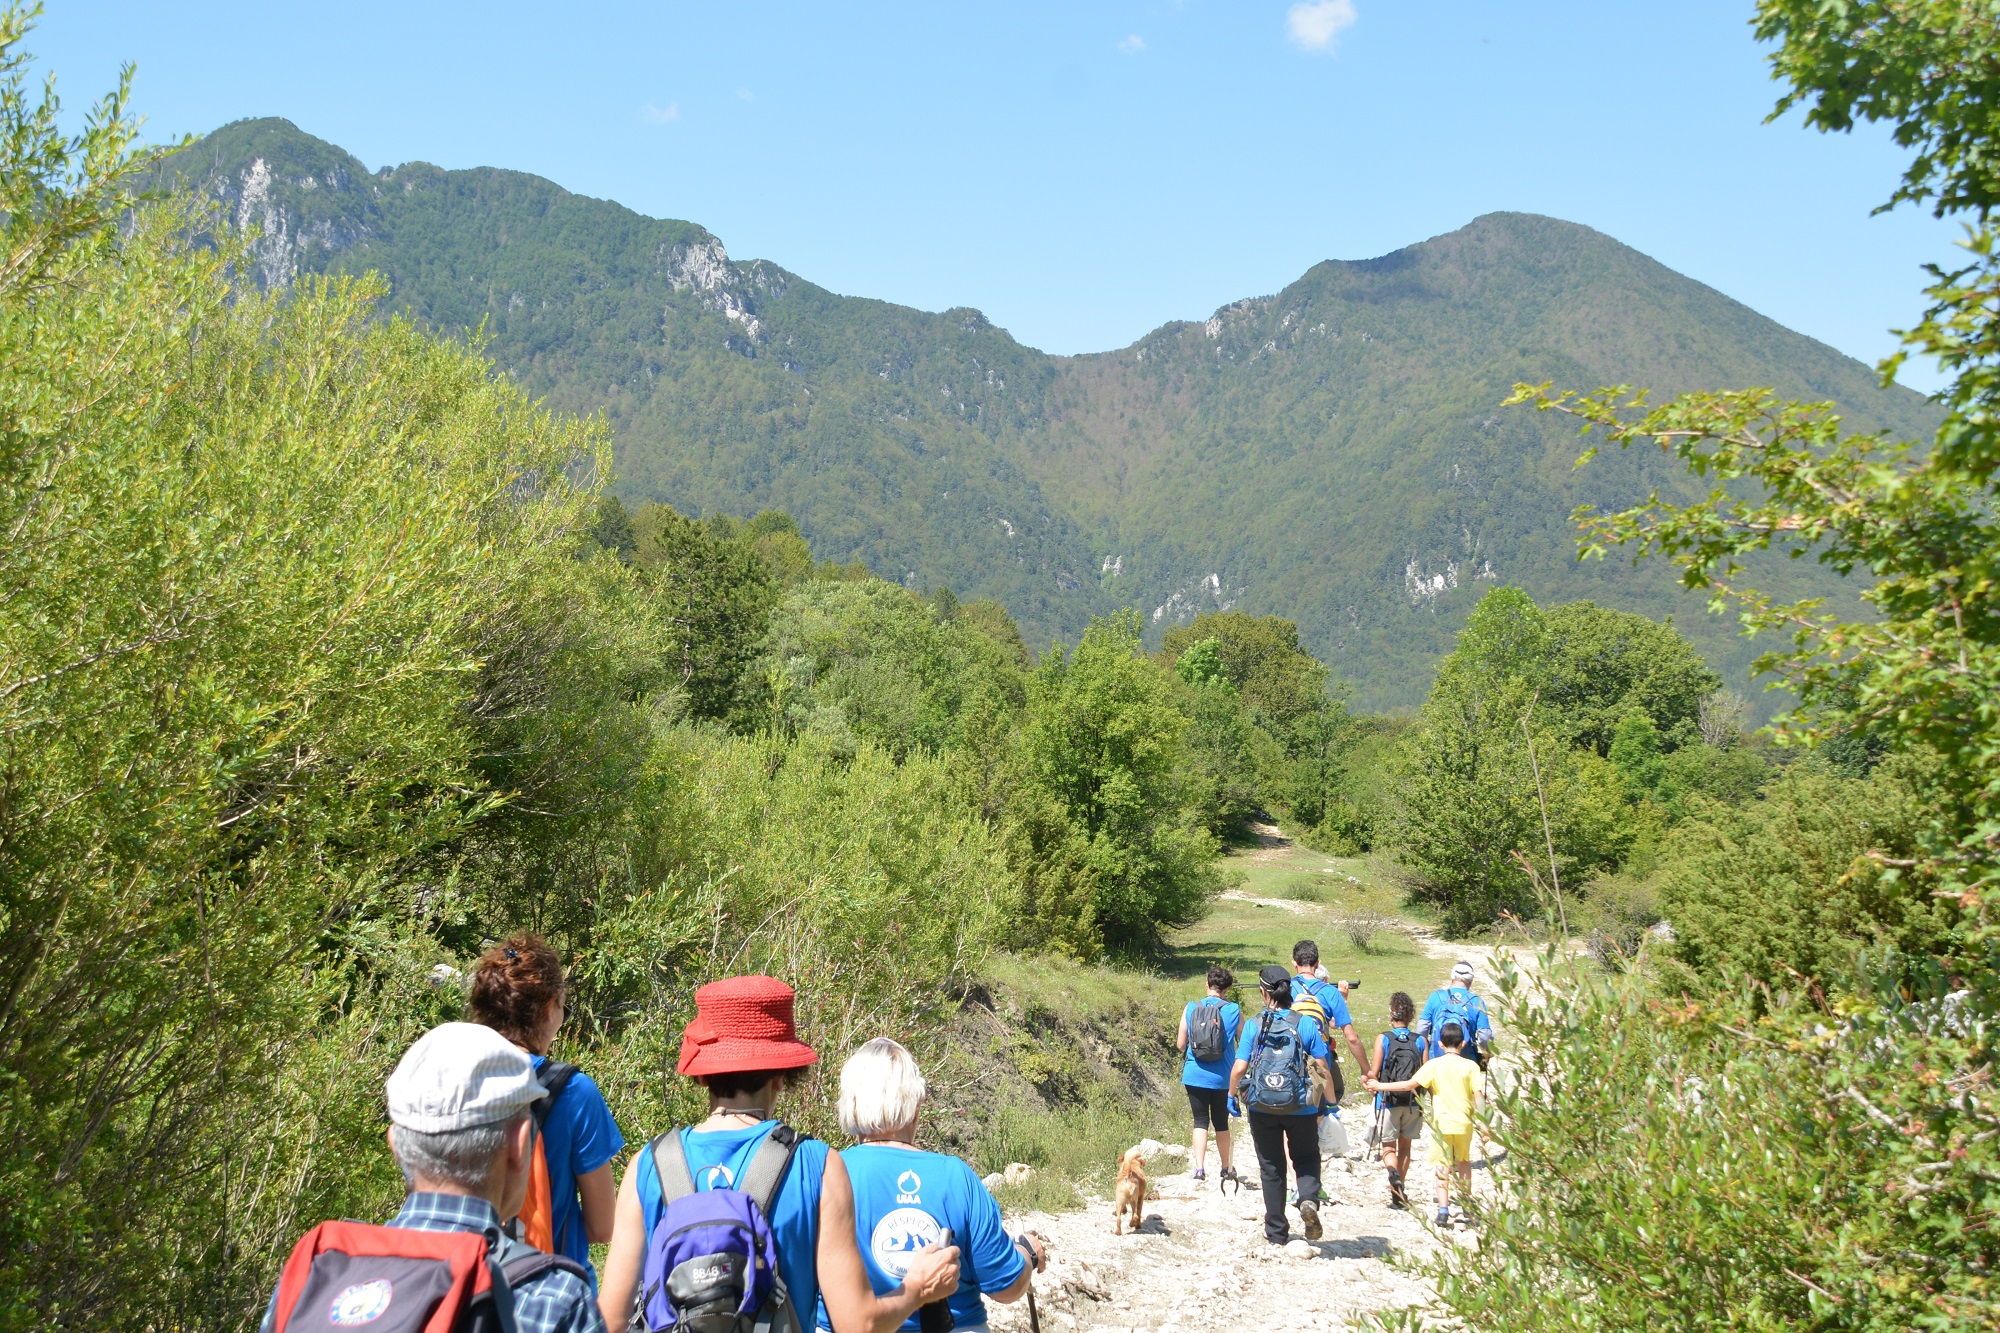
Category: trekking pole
[1034,1319]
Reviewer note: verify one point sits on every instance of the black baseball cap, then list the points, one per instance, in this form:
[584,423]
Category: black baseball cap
[1274,977]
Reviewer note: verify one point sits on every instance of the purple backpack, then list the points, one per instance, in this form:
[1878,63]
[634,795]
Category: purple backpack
[712,1262]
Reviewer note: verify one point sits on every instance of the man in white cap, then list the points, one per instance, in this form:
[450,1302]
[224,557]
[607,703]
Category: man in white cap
[460,1130]
[1455,1002]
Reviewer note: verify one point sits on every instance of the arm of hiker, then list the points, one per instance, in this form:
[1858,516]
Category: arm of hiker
[1180,1041]
[851,1302]
[1018,1288]
[1354,1045]
[620,1279]
[598,1192]
[1236,1075]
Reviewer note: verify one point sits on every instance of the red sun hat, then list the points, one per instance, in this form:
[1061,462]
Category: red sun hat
[741,1025]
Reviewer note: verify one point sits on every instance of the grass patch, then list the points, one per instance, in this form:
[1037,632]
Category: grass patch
[1075,1149]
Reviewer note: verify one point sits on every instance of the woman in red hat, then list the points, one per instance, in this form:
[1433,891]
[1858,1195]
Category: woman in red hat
[743,1046]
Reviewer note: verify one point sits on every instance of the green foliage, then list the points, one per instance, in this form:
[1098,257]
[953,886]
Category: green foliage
[1102,739]
[1784,889]
[1471,787]
[715,595]
[1706,1164]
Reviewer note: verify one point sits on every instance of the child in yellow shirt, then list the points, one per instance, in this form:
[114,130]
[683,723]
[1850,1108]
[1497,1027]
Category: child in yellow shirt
[1453,1083]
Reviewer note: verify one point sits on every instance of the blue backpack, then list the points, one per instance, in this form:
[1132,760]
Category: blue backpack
[1458,1008]
[1277,1082]
[712,1262]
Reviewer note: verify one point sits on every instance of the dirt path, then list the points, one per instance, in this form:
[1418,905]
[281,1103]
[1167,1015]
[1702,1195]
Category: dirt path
[1201,1261]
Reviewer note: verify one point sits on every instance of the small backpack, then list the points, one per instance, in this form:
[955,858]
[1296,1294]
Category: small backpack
[396,1280]
[536,1224]
[1206,1039]
[712,1262]
[1402,1057]
[1306,1001]
[1277,1082]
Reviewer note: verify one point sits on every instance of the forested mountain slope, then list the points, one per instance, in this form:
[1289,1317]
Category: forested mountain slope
[1335,453]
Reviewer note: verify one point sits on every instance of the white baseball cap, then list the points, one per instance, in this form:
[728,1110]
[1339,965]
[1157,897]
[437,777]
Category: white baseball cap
[1461,971]
[461,1076]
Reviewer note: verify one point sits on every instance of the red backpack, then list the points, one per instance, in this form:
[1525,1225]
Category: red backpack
[394,1280]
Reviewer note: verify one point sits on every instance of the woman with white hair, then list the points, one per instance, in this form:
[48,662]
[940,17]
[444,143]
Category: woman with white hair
[906,1199]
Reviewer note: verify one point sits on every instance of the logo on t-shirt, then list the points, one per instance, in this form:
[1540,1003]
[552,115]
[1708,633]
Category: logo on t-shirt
[898,1237]
[718,1178]
[907,1186]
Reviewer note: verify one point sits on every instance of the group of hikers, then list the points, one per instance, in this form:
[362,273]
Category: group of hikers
[1281,1073]
[734,1224]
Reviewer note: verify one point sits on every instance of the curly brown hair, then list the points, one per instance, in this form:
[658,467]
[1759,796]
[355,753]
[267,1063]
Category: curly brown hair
[512,986]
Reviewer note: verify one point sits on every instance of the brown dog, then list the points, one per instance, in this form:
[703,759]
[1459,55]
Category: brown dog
[1129,1200]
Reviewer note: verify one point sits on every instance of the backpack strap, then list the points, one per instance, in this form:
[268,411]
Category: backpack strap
[766,1171]
[554,1076]
[528,1267]
[671,1163]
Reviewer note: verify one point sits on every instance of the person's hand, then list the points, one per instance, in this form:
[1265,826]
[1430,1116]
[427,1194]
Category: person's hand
[933,1274]
[1036,1248]
[1368,1083]
[1342,984]
[1235,1111]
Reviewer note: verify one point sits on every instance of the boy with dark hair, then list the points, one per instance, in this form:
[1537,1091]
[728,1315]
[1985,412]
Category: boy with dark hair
[1399,1054]
[1453,1082]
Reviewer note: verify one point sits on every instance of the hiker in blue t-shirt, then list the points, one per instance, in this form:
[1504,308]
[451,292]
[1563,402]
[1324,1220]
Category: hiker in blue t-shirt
[906,1199]
[1281,1133]
[1455,1002]
[1207,1080]
[517,990]
[743,1047]
[1332,997]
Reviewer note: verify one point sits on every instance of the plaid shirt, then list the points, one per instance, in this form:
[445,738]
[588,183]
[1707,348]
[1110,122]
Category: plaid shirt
[556,1302]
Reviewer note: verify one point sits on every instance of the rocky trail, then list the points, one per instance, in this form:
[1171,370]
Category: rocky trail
[1200,1261]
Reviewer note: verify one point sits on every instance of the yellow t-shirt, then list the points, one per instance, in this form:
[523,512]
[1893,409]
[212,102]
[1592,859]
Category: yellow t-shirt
[1453,1083]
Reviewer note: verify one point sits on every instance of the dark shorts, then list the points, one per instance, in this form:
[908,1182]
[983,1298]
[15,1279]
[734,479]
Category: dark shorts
[1210,1107]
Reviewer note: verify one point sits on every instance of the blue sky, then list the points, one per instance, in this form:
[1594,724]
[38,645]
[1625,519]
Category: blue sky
[1082,172]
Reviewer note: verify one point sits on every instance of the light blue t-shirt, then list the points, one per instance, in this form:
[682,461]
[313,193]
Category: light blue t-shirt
[1212,1073]
[1310,1037]
[1329,997]
[1445,1006]
[903,1201]
[717,1160]
[579,1137]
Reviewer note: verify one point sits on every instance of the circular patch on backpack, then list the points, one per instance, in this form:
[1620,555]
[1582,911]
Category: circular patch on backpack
[362,1303]
[899,1235]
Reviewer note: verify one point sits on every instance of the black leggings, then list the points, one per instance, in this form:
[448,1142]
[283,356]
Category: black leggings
[1210,1107]
[1275,1137]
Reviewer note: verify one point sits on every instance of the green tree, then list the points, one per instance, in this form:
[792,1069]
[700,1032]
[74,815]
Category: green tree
[1103,737]
[715,595]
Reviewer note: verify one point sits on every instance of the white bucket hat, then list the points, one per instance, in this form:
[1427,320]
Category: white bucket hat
[461,1076]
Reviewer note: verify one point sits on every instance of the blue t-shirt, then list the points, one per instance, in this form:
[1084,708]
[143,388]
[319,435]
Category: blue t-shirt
[579,1137]
[1329,997]
[903,1200]
[1310,1037]
[1213,1073]
[717,1159]
[1458,1000]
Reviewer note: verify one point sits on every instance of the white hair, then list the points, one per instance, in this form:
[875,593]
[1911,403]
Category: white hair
[880,1088]
[461,1157]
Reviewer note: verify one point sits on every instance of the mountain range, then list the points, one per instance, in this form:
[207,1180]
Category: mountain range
[1335,453]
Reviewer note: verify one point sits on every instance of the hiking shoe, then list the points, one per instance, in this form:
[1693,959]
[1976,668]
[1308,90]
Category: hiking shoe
[1200,1175]
[1444,1217]
[1309,1210]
